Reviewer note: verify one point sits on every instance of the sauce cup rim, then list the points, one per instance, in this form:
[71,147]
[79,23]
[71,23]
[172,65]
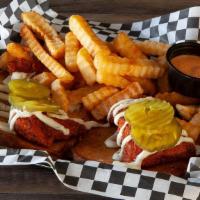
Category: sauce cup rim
[171,50]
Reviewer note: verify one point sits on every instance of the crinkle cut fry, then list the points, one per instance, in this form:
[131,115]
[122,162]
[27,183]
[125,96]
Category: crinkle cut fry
[177,98]
[94,98]
[112,64]
[72,46]
[134,90]
[81,29]
[42,28]
[149,47]
[126,47]
[111,80]
[86,66]
[59,95]
[56,68]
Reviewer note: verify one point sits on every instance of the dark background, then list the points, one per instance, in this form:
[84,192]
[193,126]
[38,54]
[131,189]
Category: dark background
[34,183]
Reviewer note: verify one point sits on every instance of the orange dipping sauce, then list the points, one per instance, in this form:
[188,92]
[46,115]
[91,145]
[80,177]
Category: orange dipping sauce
[188,64]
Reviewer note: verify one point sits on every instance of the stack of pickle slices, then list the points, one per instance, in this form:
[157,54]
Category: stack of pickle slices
[153,125]
[30,96]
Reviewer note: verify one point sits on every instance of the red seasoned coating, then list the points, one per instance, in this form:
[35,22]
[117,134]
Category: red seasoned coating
[22,65]
[185,150]
[34,130]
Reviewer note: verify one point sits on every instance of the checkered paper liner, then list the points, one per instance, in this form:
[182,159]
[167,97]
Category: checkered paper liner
[91,176]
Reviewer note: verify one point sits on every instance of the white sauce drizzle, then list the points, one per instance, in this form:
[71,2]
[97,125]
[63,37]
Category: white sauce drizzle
[136,164]
[21,75]
[117,117]
[51,122]
[88,124]
[15,114]
[111,141]
[119,136]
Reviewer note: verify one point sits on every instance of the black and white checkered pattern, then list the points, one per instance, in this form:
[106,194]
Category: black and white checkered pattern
[111,180]
[91,176]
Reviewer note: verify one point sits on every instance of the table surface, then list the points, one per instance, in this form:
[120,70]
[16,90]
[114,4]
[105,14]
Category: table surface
[31,182]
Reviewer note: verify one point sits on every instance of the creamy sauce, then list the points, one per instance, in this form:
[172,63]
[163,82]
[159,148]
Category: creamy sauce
[188,64]
[88,124]
[51,122]
[48,120]
[21,75]
[117,114]
[119,136]
[111,141]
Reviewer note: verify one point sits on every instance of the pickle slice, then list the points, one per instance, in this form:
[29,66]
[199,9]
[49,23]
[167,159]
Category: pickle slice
[150,114]
[157,139]
[28,89]
[42,105]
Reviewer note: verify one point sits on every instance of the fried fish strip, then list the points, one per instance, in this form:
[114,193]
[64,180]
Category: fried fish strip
[86,66]
[112,64]
[187,112]
[126,47]
[54,66]
[81,29]
[42,28]
[72,46]
[134,90]
[149,47]
[94,98]
[176,98]
[59,95]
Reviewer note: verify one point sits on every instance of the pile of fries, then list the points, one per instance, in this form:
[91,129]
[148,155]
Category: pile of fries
[86,73]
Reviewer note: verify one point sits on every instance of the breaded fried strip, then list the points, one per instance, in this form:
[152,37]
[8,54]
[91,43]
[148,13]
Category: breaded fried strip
[56,68]
[176,98]
[112,64]
[94,98]
[39,25]
[81,29]
[134,90]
